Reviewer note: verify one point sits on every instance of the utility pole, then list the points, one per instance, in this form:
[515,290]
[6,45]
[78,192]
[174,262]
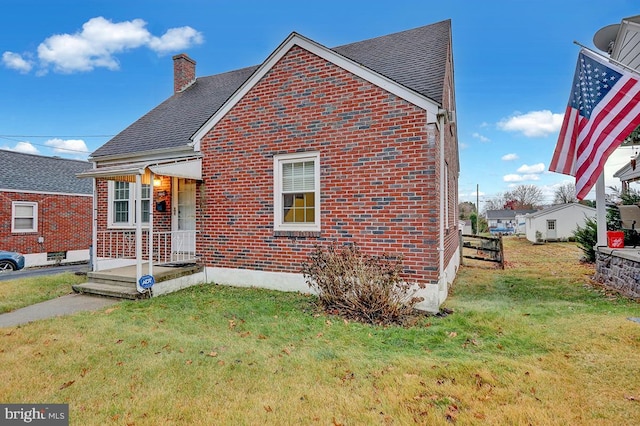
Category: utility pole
[477,208]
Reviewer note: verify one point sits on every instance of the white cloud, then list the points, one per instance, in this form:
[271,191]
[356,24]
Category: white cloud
[480,137]
[75,147]
[533,124]
[535,168]
[16,62]
[176,39]
[98,43]
[24,147]
[520,178]
[510,157]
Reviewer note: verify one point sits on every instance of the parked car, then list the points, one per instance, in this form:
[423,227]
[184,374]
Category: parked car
[10,261]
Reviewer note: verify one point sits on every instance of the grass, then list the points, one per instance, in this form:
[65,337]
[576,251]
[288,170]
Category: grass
[23,292]
[537,343]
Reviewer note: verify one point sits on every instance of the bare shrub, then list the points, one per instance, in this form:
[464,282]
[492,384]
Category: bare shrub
[360,287]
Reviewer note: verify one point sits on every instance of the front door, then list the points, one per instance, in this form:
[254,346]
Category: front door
[183,223]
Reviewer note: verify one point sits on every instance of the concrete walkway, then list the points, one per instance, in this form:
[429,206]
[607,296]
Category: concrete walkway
[63,305]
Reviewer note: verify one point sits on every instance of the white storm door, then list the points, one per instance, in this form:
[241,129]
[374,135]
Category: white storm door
[183,218]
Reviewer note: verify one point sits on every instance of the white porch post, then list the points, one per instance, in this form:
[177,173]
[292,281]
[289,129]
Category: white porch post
[138,210]
[151,209]
[601,211]
[94,227]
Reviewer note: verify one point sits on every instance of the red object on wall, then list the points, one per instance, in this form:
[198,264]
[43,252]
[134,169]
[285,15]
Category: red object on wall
[615,239]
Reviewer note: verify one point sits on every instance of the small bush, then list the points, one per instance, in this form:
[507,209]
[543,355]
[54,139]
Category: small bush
[360,287]
[587,238]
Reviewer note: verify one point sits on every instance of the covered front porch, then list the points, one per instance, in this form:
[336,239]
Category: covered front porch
[619,268]
[144,228]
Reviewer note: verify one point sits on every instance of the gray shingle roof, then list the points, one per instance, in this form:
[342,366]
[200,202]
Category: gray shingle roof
[414,58]
[28,172]
[173,122]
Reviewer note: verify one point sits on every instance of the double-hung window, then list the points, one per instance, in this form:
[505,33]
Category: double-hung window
[24,217]
[122,204]
[297,192]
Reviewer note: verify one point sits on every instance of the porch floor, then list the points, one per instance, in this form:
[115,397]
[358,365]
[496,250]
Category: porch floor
[121,282]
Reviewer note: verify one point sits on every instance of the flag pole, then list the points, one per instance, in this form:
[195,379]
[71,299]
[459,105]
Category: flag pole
[601,212]
[610,59]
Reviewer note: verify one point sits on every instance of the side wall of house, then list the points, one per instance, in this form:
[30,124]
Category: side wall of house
[452,160]
[64,225]
[379,172]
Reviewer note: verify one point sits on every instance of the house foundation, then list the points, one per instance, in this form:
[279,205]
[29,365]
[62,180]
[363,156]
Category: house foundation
[619,269]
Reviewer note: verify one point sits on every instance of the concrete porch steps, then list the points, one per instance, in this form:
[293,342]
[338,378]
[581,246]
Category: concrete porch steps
[121,282]
[109,290]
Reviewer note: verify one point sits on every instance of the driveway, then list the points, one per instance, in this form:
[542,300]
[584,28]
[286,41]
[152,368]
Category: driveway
[46,270]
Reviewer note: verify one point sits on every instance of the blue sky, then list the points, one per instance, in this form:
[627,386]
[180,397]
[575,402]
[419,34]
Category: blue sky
[75,73]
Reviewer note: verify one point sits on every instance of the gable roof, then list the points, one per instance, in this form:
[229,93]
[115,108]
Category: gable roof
[37,173]
[558,207]
[416,58]
[413,60]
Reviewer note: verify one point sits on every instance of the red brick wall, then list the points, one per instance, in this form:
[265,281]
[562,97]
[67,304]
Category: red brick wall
[63,220]
[379,172]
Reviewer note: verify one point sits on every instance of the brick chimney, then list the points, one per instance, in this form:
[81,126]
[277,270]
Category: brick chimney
[184,72]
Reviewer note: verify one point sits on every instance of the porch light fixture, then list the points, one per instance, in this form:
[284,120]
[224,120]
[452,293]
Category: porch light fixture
[157,182]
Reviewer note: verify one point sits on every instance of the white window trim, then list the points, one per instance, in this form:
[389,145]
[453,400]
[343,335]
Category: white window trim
[13,217]
[278,160]
[131,223]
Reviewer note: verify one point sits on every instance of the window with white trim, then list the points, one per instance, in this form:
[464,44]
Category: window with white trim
[297,192]
[24,217]
[446,195]
[122,204]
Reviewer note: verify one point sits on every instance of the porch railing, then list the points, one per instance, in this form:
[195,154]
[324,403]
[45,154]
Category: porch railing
[168,247]
[117,244]
[174,247]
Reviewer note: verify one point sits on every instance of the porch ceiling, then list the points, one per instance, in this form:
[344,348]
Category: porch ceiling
[190,169]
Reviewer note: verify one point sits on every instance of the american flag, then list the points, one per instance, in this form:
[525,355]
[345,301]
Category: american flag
[603,109]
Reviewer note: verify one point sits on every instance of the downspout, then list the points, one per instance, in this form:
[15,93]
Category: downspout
[442,115]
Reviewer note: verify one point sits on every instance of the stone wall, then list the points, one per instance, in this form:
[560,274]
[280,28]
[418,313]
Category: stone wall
[619,270]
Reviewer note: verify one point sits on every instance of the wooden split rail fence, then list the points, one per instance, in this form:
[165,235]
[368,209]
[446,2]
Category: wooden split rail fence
[487,249]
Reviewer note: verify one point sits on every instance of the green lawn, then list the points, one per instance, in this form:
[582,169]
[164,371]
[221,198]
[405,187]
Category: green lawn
[22,292]
[535,343]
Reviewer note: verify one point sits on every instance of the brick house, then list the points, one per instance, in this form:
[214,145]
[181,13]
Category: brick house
[247,171]
[45,210]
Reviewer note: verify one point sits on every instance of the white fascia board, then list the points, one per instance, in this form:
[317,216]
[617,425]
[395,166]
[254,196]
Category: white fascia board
[430,106]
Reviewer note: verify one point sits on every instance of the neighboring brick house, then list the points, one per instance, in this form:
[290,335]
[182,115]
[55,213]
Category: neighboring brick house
[249,170]
[45,210]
